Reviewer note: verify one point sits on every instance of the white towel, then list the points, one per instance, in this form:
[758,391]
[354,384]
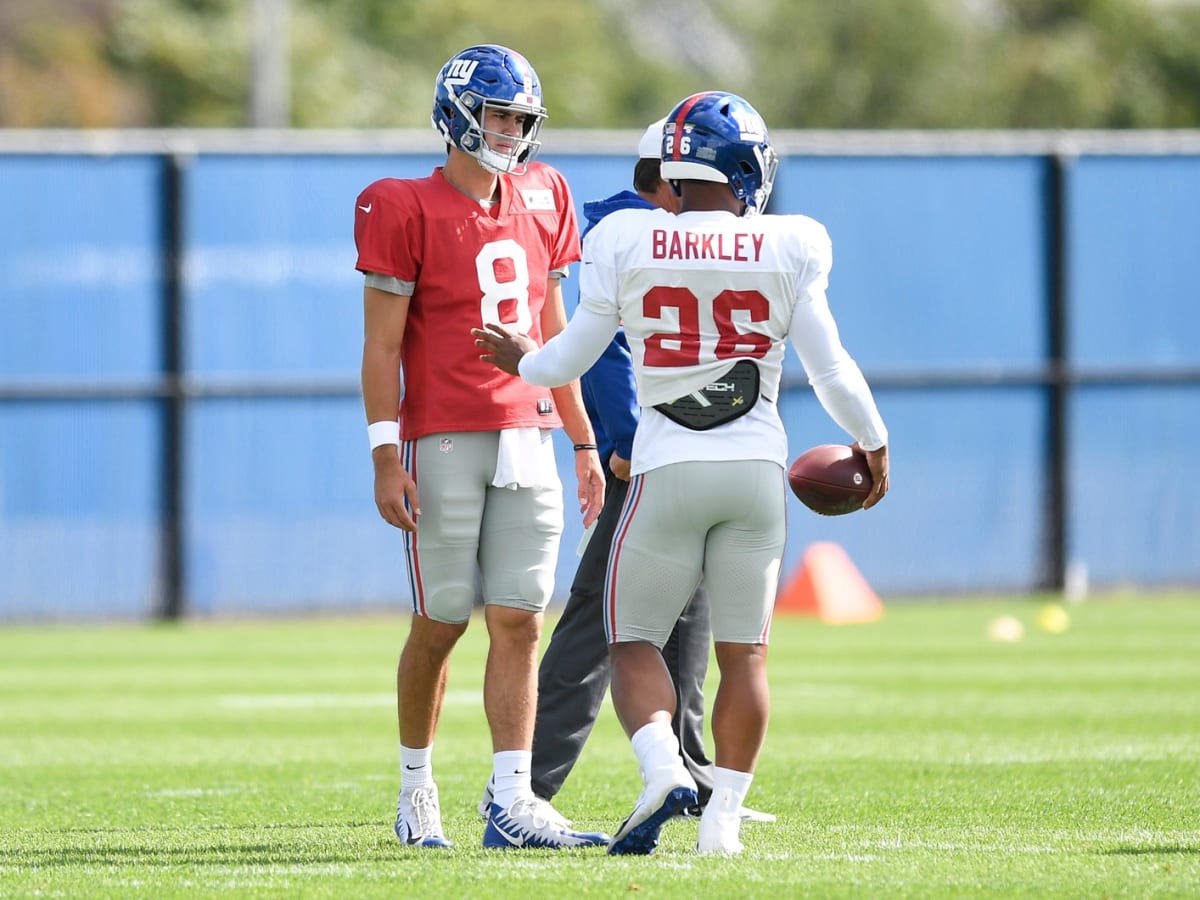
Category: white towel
[587,536]
[526,459]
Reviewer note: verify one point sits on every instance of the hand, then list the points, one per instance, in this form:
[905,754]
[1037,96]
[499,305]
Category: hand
[590,475]
[877,462]
[619,466]
[502,348]
[395,490]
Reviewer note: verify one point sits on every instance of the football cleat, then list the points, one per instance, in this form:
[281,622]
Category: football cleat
[489,798]
[419,818]
[746,814]
[532,822]
[663,798]
[720,825]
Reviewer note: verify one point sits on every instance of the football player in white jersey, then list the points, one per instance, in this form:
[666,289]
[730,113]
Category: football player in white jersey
[708,299]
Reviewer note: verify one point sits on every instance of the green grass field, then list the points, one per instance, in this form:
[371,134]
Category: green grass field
[908,758]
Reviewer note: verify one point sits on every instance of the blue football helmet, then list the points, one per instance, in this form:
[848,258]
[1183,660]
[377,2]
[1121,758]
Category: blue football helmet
[487,77]
[715,136]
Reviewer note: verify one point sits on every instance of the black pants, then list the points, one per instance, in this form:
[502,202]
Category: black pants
[575,672]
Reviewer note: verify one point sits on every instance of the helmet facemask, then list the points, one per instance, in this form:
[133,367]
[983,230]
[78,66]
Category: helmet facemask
[475,140]
[756,200]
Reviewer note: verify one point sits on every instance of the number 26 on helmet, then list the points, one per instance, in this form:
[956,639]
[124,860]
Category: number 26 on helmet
[717,136]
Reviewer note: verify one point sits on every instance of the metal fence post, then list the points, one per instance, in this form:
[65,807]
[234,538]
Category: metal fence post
[1059,377]
[172,470]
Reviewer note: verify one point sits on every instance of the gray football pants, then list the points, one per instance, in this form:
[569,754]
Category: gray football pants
[574,673]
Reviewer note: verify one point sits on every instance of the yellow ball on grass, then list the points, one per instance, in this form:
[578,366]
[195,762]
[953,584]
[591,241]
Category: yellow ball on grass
[1053,619]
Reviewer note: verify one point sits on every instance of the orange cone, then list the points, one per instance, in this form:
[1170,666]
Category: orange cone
[828,586]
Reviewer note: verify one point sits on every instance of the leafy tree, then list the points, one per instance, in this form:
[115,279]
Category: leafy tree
[861,63]
[617,63]
[1095,64]
[55,70]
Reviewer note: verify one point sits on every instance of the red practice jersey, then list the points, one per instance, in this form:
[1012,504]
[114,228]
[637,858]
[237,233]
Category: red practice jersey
[467,268]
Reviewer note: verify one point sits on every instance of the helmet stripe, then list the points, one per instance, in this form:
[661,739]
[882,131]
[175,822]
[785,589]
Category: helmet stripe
[682,117]
[524,70]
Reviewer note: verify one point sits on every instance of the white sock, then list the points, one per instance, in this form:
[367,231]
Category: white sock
[510,776]
[729,789]
[656,747]
[416,767]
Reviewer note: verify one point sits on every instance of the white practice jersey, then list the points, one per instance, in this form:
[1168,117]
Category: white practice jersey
[698,291]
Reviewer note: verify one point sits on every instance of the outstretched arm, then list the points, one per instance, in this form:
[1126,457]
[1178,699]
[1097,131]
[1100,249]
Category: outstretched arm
[564,357]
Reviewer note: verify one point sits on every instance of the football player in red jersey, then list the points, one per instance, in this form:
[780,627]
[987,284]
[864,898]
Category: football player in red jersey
[463,457]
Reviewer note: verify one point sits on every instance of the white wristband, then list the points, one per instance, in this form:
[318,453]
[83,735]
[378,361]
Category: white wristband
[381,433]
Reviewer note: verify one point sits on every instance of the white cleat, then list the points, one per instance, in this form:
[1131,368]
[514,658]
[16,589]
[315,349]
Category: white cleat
[532,822]
[746,814]
[419,818]
[720,825]
[489,799]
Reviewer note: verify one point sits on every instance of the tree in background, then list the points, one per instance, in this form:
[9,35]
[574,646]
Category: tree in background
[978,63]
[617,63]
[1097,63]
[867,64]
[55,70]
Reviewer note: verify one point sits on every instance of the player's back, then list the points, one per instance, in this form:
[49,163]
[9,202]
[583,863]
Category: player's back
[699,290]
[700,293]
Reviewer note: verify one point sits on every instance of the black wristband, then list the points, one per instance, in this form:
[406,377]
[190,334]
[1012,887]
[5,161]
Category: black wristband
[585,447]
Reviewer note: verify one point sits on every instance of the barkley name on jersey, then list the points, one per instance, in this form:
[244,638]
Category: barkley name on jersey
[699,290]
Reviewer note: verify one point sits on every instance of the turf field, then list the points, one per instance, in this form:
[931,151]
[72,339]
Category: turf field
[909,758]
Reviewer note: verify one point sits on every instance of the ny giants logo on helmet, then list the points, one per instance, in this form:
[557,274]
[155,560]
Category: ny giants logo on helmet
[718,136]
[459,71]
[750,124]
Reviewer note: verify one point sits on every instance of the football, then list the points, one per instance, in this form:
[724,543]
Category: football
[830,479]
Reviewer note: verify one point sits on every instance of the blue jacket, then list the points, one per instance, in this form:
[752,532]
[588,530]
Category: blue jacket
[609,391]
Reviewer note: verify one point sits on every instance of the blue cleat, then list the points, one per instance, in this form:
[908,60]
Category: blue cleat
[662,800]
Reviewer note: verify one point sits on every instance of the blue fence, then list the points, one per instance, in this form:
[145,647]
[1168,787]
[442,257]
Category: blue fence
[180,334]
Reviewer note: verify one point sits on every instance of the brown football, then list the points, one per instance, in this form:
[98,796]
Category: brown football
[830,479]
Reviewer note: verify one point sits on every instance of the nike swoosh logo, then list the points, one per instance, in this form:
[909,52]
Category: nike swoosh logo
[520,771]
[515,840]
[411,768]
[367,208]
